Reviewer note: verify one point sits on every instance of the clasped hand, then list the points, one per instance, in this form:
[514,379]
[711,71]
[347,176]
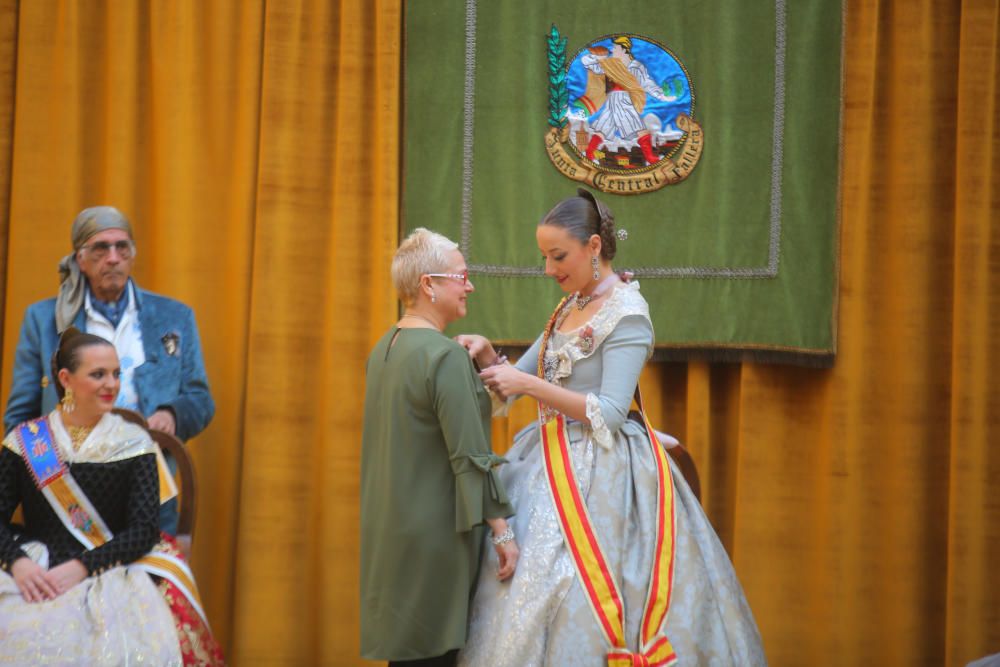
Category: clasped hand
[506,381]
[38,584]
[163,420]
[480,349]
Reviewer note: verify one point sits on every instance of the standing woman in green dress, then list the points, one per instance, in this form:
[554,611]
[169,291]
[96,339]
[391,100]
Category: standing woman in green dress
[428,472]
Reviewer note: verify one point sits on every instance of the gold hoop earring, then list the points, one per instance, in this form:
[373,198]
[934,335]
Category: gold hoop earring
[67,402]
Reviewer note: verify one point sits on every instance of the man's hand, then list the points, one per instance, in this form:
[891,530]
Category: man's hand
[163,420]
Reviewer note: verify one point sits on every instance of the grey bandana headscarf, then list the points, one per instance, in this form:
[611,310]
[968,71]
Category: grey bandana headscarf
[72,286]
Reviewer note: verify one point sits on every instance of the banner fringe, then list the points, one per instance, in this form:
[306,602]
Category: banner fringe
[819,359]
[728,355]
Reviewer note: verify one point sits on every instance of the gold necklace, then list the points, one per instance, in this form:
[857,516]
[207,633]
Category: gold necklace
[421,317]
[78,434]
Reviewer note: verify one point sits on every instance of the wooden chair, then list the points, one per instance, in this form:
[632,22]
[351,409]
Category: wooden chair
[689,470]
[187,489]
[680,455]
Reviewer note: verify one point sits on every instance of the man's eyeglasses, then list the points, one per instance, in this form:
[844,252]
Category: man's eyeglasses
[463,276]
[100,249]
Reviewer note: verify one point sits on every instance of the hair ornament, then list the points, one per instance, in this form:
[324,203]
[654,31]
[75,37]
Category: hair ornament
[622,234]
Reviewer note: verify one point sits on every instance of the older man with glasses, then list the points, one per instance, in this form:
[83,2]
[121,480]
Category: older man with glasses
[163,375]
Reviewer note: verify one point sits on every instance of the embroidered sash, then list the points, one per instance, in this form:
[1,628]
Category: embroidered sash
[53,479]
[171,567]
[80,517]
[589,560]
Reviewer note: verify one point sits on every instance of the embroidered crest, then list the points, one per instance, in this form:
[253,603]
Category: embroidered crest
[171,344]
[35,440]
[39,447]
[79,517]
[621,114]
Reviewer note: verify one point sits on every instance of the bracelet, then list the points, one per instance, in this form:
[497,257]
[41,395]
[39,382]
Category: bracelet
[504,538]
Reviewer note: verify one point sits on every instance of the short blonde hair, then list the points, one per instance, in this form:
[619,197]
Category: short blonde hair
[423,251]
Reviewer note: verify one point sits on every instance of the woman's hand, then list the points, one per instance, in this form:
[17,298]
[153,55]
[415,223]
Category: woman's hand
[66,575]
[479,347]
[507,381]
[508,553]
[31,581]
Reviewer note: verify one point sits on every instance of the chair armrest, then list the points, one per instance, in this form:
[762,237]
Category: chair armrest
[172,445]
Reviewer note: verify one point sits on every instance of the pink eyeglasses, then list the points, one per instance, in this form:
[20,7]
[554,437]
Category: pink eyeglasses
[463,276]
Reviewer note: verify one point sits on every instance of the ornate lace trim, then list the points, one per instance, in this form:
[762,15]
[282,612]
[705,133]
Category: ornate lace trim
[598,427]
[566,349]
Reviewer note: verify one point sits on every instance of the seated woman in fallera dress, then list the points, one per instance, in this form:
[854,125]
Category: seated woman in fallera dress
[88,579]
[619,565]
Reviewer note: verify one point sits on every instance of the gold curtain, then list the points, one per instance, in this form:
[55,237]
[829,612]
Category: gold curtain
[255,146]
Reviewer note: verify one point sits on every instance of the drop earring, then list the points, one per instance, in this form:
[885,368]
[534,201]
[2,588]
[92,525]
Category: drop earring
[593,263]
[68,404]
[433,297]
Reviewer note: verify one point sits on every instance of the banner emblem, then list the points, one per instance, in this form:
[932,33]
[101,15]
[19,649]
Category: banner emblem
[621,114]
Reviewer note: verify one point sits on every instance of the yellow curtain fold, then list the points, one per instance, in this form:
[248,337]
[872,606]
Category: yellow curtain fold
[325,230]
[973,581]
[8,70]
[255,146]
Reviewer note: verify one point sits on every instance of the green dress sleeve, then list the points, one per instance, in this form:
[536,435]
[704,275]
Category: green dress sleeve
[463,409]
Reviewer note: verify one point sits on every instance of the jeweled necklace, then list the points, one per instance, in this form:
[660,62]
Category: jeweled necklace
[78,434]
[421,317]
[581,301]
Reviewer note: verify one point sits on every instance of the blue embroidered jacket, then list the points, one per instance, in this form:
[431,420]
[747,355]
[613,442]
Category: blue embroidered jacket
[176,381]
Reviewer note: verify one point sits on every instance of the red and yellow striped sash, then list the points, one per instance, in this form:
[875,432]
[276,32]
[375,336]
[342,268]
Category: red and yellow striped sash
[591,564]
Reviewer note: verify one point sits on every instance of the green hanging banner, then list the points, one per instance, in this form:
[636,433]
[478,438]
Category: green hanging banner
[711,129]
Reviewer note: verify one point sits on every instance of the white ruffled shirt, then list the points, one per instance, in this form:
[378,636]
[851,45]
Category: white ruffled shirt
[127,339]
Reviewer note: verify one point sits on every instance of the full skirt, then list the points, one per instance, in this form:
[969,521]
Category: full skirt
[541,616]
[122,616]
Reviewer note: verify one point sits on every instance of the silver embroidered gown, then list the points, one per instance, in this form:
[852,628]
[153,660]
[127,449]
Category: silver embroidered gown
[541,616]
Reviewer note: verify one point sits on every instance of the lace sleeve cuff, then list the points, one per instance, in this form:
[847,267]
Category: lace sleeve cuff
[501,406]
[601,434]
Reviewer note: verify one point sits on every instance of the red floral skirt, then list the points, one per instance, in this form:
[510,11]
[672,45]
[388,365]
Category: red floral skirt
[198,646]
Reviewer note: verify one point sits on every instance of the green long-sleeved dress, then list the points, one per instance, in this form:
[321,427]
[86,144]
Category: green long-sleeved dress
[427,484]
